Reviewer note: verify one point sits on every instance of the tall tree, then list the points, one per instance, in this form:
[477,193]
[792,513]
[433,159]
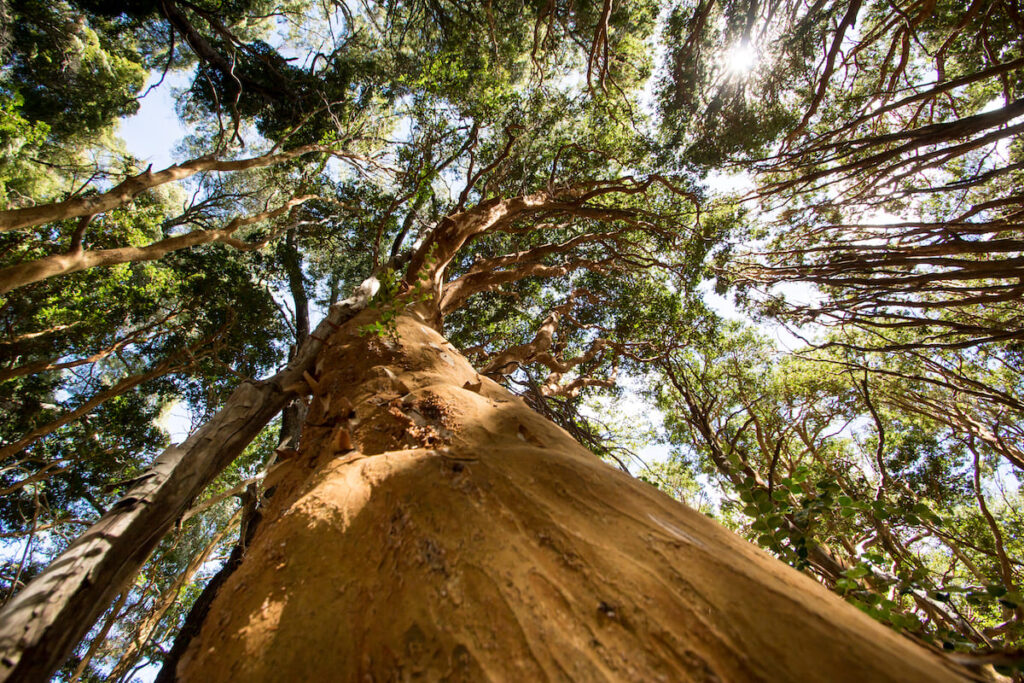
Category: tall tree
[499,192]
[885,141]
[830,469]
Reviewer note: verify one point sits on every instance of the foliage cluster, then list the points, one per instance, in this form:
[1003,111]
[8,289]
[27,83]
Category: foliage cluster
[334,141]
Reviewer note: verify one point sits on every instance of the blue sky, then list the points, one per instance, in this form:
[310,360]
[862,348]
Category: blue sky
[154,132]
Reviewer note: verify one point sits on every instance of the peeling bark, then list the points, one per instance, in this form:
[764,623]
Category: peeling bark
[41,625]
[455,534]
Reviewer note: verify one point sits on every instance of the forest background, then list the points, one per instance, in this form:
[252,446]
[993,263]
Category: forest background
[789,229]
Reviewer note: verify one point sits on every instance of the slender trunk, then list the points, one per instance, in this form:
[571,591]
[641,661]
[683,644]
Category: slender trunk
[173,364]
[292,261]
[197,613]
[133,186]
[94,646]
[295,414]
[77,259]
[433,526]
[147,626]
[41,625]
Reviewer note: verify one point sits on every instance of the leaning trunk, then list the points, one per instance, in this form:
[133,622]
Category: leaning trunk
[40,626]
[433,526]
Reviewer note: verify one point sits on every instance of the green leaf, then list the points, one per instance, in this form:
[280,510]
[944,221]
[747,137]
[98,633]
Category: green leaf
[858,572]
[995,590]
[847,585]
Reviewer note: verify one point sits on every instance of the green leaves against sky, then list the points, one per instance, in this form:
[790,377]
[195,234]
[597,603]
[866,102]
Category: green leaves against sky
[879,148]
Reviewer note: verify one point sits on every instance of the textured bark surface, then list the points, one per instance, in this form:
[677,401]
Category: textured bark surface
[128,189]
[41,625]
[434,527]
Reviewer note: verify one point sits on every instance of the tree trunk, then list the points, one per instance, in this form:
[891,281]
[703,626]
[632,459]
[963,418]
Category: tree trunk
[433,526]
[40,626]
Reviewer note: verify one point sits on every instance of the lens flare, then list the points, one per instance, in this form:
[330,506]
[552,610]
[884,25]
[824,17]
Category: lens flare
[740,58]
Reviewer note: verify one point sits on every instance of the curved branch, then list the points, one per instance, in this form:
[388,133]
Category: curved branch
[128,189]
[26,273]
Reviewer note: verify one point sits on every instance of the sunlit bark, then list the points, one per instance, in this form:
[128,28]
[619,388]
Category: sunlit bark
[432,525]
[129,189]
[41,625]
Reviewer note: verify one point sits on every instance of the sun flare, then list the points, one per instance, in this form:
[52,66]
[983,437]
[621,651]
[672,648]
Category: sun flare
[740,59]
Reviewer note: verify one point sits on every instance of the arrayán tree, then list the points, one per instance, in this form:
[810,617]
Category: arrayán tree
[492,191]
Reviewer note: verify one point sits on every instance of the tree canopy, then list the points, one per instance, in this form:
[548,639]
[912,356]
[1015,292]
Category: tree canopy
[554,177]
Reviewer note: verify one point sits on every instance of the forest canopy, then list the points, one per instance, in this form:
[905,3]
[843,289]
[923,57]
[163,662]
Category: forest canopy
[787,234]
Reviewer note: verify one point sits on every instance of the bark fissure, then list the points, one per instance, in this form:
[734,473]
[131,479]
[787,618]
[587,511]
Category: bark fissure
[453,533]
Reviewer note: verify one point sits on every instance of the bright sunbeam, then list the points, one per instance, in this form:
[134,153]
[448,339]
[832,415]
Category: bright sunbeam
[740,58]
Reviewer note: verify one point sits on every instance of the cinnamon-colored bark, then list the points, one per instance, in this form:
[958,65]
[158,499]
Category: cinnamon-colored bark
[130,188]
[41,625]
[433,526]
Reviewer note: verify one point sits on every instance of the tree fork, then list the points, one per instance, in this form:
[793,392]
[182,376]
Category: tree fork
[41,625]
[454,533]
